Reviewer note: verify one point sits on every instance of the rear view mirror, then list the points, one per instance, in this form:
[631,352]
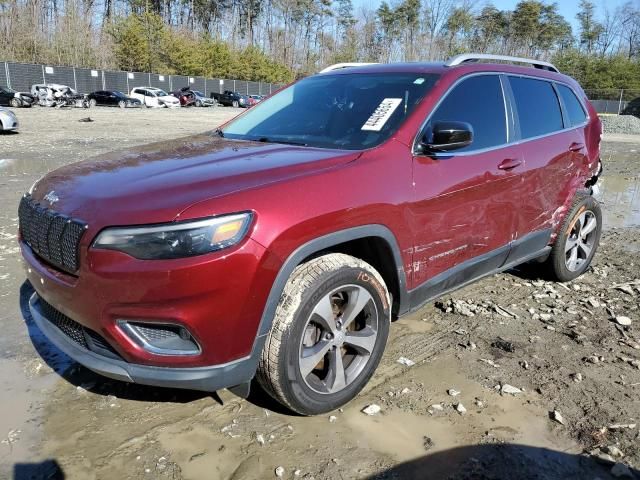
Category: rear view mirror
[447,136]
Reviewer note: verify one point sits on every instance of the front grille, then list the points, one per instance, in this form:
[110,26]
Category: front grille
[83,336]
[70,328]
[52,236]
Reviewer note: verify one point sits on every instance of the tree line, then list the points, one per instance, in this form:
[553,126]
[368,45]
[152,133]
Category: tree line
[280,40]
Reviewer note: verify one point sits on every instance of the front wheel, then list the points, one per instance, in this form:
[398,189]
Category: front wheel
[328,335]
[15,102]
[235,104]
[577,241]
[122,104]
[92,103]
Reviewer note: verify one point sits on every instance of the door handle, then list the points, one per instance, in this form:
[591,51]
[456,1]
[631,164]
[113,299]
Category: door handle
[576,147]
[509,163]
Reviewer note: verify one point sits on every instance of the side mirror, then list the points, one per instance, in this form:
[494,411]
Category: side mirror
[447,136]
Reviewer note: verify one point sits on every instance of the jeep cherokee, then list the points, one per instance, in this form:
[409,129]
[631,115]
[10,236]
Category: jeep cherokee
[282,245]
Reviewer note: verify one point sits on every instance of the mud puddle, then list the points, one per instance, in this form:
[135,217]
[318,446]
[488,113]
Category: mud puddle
[20,386]
[620,196]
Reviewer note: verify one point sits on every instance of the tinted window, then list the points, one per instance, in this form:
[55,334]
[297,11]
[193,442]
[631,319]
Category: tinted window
[538,108]
[478,101]
[573,106]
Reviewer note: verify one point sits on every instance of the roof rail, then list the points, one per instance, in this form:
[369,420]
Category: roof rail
[475,57]
[339,66]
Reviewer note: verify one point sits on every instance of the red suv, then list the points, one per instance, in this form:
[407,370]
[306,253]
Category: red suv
[282,245]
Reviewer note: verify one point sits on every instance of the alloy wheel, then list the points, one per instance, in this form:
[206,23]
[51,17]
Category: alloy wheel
[338,339]
[581,241]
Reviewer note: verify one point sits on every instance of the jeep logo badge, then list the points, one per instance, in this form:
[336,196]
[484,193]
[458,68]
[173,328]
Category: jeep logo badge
[51,197]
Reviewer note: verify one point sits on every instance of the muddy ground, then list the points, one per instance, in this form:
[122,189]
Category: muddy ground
[556,344]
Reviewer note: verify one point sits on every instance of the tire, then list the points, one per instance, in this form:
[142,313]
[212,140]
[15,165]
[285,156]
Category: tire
[15,102]
[577,240]
[235,104]
[340,282]
[198,103]
[122,104]
[92,102]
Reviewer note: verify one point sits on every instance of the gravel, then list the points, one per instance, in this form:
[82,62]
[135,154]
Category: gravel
[625,124]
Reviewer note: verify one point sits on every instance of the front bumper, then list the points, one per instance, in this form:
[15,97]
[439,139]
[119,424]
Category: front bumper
[219,298]
[208,379]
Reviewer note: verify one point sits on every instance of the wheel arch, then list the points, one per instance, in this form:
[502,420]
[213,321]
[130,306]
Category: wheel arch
[375,244]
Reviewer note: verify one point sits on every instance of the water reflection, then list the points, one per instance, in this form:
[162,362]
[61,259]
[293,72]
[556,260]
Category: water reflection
[620,197]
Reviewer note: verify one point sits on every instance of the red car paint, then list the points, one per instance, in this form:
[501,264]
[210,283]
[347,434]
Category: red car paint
[441,213]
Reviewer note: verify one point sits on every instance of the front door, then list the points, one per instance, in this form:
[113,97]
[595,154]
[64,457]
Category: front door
[464,200]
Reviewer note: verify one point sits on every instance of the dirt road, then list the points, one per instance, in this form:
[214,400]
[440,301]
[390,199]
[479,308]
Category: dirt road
[554,347]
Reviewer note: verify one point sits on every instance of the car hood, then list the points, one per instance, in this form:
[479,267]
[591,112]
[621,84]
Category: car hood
[168,98]
[154,183]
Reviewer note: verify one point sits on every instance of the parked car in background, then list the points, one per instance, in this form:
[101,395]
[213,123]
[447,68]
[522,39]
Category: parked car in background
[202,101]
[632,108]
[181,264]
[154,97]
[8,120]
[257,98]
[250,101]
[230,99]
[186,96]
[11,98]
[112,98]
[58,95]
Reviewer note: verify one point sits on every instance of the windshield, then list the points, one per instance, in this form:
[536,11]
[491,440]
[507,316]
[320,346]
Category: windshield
[118,94]
[347,111]
[161,93]
[200,94]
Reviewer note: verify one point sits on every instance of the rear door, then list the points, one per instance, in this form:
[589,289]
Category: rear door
[549,147]
[464,199]
[99,96]
[5,97]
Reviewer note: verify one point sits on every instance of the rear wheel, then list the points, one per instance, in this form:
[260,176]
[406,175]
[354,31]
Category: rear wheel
[577,241]
[328,334]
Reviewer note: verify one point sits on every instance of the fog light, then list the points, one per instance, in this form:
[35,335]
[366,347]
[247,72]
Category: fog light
[161,338]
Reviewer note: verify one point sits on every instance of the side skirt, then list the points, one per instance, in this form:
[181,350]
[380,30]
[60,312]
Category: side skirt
[530,247]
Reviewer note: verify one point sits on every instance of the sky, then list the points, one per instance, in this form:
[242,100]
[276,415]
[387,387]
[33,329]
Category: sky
[567,8]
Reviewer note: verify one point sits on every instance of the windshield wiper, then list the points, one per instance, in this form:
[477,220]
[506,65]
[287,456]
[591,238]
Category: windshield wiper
[219,132]
[285,142]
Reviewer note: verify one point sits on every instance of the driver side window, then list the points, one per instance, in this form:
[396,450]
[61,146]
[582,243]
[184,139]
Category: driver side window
[478,101]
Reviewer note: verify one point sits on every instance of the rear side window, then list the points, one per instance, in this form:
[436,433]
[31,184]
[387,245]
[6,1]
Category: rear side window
[538,107]
[577,115]
[478,101]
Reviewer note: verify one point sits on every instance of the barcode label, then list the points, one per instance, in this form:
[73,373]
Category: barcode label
[380,116]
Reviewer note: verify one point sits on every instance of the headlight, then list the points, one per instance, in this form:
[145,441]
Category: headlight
[176,240]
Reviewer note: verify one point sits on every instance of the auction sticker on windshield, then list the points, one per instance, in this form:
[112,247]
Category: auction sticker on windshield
[381,114]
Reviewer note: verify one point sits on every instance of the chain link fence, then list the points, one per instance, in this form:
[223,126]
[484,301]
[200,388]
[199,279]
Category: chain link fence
[612,100]
[20,77]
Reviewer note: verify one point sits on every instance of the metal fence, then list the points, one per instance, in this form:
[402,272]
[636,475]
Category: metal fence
[20,76]
[612,100]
